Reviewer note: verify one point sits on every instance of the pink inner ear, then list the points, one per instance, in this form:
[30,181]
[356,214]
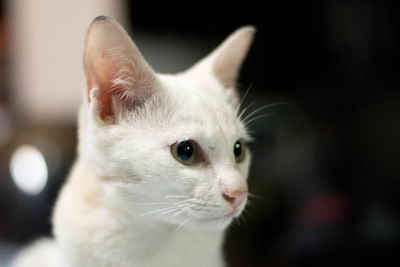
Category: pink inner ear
[102,73]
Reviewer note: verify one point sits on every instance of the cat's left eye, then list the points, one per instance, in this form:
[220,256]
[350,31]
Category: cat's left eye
[239,150]
[185,152]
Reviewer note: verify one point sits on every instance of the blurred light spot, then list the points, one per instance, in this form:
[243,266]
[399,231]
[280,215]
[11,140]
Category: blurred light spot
[28,169]
[50,152]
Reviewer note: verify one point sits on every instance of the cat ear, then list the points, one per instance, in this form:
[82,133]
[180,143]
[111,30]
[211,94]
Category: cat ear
[115,68]
[225,61]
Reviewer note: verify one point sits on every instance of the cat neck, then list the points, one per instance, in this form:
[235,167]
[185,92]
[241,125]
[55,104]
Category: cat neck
[88,227]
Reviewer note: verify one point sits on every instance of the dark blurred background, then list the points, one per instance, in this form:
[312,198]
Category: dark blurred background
[325,166]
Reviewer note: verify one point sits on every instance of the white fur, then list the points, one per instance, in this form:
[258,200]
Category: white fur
[106,214]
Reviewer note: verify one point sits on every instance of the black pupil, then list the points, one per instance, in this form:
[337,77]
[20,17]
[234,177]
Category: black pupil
[185,150]
[237,149]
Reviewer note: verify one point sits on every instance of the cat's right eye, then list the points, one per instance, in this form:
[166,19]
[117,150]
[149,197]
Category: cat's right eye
[185,152]
[239,150]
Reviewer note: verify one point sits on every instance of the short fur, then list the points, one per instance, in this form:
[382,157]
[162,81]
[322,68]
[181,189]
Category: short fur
[128,201]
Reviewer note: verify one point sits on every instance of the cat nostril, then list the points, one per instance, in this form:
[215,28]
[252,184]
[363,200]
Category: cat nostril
[228,198]
[235,198]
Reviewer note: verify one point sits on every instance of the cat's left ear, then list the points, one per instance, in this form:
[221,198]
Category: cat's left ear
[225,61]
[118,76]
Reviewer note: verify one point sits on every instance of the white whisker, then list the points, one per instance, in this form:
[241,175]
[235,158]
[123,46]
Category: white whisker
[246,108]
[248,116]
[150,203]
[183,210]
[176,206]
[258,117]
[159,210]
[243,97]
[206,204]
[262,108]
[173,196]
[248,213]
[130,198]
[185,221]
[177,209]
[251,195]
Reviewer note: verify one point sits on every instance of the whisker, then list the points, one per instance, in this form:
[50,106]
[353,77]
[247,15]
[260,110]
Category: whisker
[159,210]
[246,108]
[252,195]
[264,107]
[206,204]
[150,203]
[174,196]
[243,97]
[248,213]
[179,207]
[249,205]
[176,206]
[128,199]
[258,117]
[235,223]
[251,133]
[183,210]
[243,219]
[185,221]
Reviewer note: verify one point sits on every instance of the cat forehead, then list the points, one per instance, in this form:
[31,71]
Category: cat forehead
[206,99]
[202,105]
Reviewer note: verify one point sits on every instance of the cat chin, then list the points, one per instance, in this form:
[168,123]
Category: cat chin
[212,224]
[215,224]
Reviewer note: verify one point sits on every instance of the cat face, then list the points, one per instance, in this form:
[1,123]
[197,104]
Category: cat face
[167,147]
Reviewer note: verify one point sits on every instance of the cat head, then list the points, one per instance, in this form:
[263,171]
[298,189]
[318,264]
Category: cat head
[167,147]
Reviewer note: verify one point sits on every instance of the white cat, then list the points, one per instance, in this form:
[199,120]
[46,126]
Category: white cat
[162,163]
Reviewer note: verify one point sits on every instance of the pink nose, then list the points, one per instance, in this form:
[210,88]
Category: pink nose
[235,198]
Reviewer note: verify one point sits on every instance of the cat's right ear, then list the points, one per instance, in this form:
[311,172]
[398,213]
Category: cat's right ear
[118,77]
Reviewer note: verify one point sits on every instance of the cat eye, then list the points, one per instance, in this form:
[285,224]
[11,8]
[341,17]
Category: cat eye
[185,152]
[239,150]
